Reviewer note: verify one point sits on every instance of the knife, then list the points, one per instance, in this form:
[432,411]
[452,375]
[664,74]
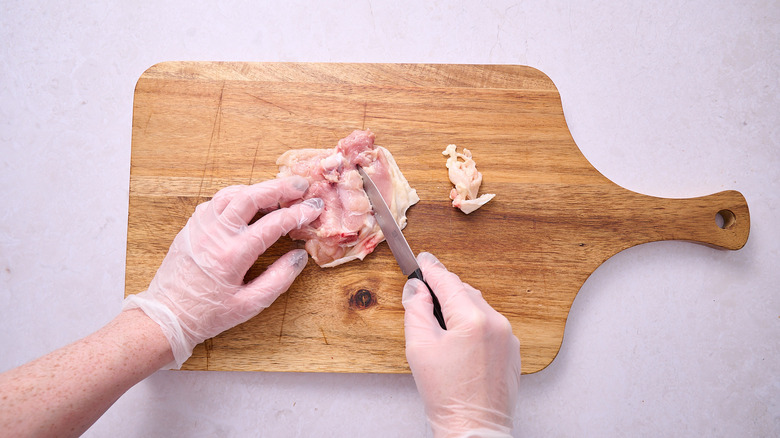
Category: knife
[395,239]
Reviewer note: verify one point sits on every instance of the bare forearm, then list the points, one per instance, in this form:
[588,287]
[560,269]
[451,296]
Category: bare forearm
[64,392]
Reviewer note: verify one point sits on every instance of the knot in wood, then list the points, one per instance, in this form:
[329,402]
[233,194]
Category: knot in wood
[362,299]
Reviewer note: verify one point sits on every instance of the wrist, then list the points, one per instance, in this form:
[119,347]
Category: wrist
[167,323]
[144,337]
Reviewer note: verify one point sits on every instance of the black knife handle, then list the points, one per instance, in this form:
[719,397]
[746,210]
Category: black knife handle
[436,306]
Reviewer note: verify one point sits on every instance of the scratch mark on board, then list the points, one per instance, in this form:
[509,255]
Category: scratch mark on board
[209,344]
[271,103]
[401,119]
[215,128]
[323,336]
[254,161]
[365,107]
[363,320]
[147,227]
[284,313]
[148,119]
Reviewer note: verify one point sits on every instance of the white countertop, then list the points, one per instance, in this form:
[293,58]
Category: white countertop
[668,98]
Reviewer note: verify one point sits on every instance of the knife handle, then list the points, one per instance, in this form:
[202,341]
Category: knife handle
[436,306]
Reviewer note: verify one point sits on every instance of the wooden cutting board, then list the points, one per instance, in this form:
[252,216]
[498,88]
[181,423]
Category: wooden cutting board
[198,127]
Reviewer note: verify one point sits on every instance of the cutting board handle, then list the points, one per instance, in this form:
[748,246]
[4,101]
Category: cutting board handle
[720,220]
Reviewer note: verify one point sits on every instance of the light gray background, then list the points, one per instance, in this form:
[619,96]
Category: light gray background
[667,98]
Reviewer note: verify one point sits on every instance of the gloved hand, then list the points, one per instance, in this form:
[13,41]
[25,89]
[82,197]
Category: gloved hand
[199,291]
[467,375]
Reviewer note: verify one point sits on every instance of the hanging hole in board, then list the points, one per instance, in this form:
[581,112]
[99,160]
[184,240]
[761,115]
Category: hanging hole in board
[725,219]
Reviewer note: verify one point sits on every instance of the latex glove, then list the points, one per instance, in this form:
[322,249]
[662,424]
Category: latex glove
[199,291]
[467,375]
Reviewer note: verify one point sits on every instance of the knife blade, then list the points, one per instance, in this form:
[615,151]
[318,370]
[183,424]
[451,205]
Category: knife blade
[396,241]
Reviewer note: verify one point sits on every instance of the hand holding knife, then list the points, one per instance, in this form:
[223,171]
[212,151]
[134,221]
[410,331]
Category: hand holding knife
[395,239]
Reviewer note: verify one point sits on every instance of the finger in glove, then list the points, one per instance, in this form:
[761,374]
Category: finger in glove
[238,207]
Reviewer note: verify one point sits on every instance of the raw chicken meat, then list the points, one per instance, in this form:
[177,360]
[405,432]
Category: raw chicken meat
[346,230]
[467,179]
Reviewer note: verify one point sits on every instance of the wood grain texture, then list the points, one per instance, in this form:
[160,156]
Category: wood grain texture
[198,127]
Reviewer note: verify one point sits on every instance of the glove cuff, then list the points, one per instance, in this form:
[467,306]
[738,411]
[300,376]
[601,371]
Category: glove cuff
[165,318]
[485,433]
[474,433]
